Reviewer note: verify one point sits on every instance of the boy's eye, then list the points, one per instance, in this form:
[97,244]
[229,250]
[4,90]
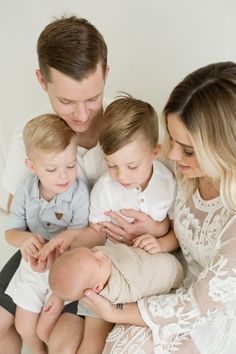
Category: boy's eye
[53,170]
[132,167]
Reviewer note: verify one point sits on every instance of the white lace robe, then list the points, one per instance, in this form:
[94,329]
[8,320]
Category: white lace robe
[204,309]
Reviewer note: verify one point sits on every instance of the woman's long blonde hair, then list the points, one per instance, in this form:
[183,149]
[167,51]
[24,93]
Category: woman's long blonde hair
[205,102]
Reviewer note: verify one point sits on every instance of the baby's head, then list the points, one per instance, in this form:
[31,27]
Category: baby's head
[129,140]
[77,270]
[51,148]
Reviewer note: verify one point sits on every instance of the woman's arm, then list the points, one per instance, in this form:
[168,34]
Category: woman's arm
[127,313]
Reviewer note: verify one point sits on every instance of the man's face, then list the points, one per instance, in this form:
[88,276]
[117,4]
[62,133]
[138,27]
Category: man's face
[77,102]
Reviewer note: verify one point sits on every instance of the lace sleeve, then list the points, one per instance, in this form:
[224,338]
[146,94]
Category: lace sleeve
[178,314]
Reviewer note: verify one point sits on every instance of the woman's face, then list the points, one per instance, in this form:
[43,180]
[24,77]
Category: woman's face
[181,148]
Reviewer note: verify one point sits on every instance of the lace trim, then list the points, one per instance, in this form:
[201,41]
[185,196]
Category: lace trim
[206,205]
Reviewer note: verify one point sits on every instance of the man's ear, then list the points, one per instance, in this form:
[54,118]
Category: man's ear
[156,151]
[106,72]
[97,288]
[41,79]
[30,165]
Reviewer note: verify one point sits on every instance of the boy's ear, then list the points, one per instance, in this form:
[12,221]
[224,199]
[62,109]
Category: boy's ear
[41,79]
[156,151]
[30,165]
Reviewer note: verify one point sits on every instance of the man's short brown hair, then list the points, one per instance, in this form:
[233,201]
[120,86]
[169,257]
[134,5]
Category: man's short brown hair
[72,46]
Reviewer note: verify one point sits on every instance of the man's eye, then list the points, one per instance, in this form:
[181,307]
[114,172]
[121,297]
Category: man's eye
[65,102]
[93,99]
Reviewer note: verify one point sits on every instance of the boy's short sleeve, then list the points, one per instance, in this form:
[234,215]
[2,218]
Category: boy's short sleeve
[17,217]
[80,207]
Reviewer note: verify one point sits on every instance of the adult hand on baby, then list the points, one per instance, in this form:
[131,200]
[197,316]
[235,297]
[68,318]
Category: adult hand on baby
[124,230]
[101,306]
[31,246]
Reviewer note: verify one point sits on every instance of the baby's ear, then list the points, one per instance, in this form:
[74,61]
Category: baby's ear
[30,165]
[97,288]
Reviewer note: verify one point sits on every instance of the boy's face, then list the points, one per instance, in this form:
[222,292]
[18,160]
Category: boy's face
[131,166]
[56,171]
[77,102]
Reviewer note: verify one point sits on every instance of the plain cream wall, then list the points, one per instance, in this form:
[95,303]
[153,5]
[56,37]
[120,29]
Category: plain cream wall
[152,45]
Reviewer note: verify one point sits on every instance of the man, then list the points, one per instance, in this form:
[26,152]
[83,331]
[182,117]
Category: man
[72,70]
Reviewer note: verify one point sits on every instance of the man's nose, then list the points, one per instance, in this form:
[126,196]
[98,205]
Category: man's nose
[81,112]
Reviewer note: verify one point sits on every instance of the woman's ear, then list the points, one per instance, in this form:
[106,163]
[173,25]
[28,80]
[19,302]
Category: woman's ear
[30,165]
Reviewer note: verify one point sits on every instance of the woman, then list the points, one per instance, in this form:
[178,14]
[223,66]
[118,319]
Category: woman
[200,136]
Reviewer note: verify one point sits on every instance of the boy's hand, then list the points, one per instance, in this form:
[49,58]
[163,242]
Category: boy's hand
[31,246]
[53,304]
[148,243]
[42,266]
[59,244]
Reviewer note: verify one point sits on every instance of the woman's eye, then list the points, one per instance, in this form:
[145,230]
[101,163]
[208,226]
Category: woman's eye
[72,166]
[188,153]
[132,167]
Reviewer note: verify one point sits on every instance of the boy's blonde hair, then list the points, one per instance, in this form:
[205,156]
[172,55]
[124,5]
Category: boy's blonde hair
[47,133]
[123,120]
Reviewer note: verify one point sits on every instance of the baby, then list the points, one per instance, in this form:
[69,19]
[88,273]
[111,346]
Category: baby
[119,272]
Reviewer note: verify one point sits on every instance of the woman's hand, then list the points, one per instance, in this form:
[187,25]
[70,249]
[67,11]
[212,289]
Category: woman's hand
[125,231]
[101,306]
[127,313]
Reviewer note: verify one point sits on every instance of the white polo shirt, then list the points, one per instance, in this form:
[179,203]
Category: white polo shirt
[154,201]
[91,164]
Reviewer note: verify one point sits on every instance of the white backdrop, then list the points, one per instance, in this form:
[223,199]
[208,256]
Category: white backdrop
[152,45]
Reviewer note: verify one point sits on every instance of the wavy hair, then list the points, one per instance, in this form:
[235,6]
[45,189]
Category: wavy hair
[205,102]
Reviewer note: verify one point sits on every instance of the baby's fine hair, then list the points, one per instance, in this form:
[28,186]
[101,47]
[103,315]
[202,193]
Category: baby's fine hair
[47,133]
[124,119]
